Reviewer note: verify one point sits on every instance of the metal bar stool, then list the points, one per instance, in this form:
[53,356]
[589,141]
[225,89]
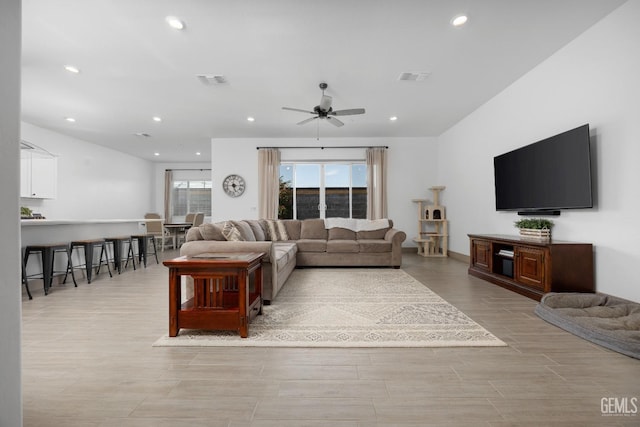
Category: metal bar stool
[47,253]
[25,282]
[117,244]
[88,247]
[143,247]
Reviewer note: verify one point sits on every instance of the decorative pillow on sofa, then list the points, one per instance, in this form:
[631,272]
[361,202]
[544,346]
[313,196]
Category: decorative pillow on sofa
[211,232]
[231,232]
[277,230]
[257,229]
[245,230]
[338,233]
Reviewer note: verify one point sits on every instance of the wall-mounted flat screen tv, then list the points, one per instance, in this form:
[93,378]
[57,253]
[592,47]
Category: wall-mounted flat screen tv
[546,176]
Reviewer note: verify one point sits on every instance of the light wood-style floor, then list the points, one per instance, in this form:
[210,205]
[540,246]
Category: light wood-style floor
[88,361]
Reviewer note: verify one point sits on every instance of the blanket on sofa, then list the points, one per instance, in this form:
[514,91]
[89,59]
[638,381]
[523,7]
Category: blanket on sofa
[356,224]
[606,320]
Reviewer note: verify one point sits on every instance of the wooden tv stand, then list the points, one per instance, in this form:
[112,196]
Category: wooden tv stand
[532,267]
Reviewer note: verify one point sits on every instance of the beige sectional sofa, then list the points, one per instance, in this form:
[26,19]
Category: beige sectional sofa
[298,243]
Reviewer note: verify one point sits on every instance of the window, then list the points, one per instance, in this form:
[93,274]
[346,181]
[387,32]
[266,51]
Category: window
[323,190]
[190,192]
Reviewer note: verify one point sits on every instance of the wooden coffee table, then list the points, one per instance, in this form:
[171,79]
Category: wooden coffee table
[223,298]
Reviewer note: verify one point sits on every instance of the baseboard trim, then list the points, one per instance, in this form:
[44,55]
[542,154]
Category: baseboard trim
[459,257]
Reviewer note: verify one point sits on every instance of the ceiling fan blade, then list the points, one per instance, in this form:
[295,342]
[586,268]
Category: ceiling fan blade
[350,112]
[325,103]
[299,110]
[335,121]
[307,120]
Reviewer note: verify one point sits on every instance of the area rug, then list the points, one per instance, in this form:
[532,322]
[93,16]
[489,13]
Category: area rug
[327,307]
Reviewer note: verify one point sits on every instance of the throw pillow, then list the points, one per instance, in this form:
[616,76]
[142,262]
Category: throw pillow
[277,230]
[258,232]
[210,232]
[245,230]
[231,233]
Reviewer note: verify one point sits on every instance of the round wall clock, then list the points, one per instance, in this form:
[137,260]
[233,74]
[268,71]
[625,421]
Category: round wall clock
[233,185]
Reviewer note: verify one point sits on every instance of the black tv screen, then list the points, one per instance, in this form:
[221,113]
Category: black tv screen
[548,175]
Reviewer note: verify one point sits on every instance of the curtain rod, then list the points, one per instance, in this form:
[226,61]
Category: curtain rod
[322,148]
[201,170]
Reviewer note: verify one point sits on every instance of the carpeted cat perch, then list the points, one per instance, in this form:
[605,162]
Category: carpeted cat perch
[606,320]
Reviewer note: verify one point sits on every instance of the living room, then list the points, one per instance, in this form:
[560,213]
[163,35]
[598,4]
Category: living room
[589,80]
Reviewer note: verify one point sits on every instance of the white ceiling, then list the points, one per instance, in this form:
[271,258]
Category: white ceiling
[274,54]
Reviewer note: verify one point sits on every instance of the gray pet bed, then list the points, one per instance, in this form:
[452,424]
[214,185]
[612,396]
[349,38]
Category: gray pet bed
[606,320]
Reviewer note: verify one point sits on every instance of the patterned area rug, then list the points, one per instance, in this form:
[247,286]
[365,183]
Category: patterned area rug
[350,308]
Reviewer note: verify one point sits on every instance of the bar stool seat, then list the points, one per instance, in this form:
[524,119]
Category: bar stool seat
[88,246]
[143,241]
[47,253]
[117,244]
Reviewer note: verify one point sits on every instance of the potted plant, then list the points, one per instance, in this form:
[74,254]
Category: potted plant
[25,212]
[535,227]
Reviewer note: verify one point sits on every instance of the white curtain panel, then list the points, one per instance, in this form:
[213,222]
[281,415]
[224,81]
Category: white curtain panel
[168,183]
[269,173]
[376,183]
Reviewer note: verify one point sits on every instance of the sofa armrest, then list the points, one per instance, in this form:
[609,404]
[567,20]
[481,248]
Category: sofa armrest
[395,236]
[197,247]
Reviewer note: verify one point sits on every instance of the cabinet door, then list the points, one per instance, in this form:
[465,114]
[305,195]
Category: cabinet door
[529,267]
[481,253]
[25,173]
[44,174]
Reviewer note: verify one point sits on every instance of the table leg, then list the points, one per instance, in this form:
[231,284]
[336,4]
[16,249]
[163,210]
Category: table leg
[174,301]
[243,301]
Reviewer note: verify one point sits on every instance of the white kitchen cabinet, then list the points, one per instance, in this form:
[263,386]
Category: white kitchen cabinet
[38,175]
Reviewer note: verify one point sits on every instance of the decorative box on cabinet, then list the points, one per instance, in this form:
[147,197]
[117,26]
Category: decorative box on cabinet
[433,227]
[38,174]
[532,267]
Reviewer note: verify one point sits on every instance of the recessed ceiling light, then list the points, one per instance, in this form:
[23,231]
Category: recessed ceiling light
[175,22]
[156,154]
[393,118]
[198,153]
[157,119]
[459,20]
[251,119]
[72,69]
[70,119]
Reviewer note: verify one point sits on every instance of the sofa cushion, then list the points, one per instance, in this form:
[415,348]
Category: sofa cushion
[277,230]
[338,233]
[245,231]
[284,252]
[258,232]
[313,229]
[312,245]
[231,232]
[343,246]
[375,246]
[374,234]
[293,228]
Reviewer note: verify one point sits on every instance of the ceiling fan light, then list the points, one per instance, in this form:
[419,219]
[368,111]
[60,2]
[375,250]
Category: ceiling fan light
[459,20]
[72,69]
[175,23]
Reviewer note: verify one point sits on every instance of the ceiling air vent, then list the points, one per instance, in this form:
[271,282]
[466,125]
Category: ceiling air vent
[413,77]
[212,79]
[142,134]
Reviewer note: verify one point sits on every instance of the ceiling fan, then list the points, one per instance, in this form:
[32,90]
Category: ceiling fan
[325,111]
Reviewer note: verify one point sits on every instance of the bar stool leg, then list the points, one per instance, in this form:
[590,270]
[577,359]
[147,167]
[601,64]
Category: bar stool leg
[25,282]
[70,268]
[130,254]
[155,250]
[103,253]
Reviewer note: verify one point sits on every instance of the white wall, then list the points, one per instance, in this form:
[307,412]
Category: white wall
[10,291]
[412,170]
[94,182]
[592,80]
